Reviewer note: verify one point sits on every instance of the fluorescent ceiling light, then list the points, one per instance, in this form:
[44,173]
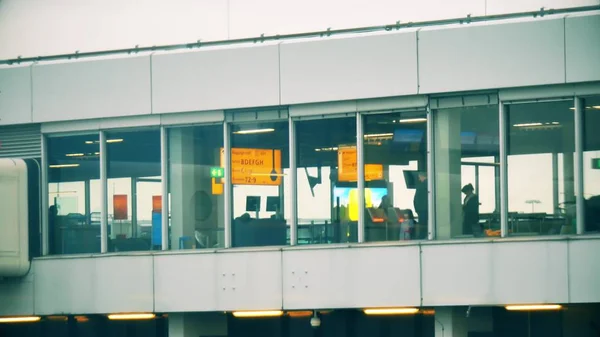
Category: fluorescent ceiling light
[379,135]
[74,154]
[300,313]
[532,307]
[116,140]
[253,131]
[413,120]
[64,165]
[527,124]
[131,316]
[326,149]
[391,311]
[596,107]
[21,319]
[265,313]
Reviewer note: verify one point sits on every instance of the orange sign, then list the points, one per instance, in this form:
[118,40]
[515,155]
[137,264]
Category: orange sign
[156,204]
[347,166]
[120,206]
[254,166]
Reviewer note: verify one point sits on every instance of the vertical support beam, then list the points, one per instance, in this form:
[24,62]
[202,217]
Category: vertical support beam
[431,225]
[579,147]
[164,188]
[228,188]
[497,184]
[360,172]
[477,179]
[503,122]
[103,194]
[293,185]
[44,191]
[88,206]
[134,206]
[555,196]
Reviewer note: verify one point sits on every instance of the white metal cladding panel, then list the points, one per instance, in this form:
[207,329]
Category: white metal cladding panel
[16,296]
[492,56]
[584,270]
[349,68]
[530,272]
[185,282]
[91,89]
[457,274]
[583,48]
[249,281]
[15,95]
[20,141]
[351,277]
[215,79]
[124,284]
[65,286]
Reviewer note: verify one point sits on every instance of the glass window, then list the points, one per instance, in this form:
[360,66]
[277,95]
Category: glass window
[327,198]
[133,169]
[74,189]
[259,161]
[467,172]
[541,189]
[396,196]
[591,163]
[196,187]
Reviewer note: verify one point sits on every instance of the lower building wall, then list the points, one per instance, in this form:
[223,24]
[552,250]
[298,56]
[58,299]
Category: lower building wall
[493,273]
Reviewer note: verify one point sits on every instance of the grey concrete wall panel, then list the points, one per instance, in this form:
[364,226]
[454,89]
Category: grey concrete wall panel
[65,286]
[15,95]
[351,277]
[392,103]
[249,281]
[583,48]
[124,284]
[458,274]
[334,69]
[16,296]
[487,273]
[192,118]
[91,89]
[215,79]
[322,109]
[584,271]
[530,272]
[185,282]
[488,56]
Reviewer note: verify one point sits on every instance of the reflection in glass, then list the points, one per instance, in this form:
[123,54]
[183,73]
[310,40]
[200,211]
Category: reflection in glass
[541,189]
[327,195]
[196,187]
[467,172]
[133,168]
[591,163]
[396,195]
[259,162]
[73,187]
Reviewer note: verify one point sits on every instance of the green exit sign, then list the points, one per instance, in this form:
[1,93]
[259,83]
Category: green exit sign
[596,163]
[217,172]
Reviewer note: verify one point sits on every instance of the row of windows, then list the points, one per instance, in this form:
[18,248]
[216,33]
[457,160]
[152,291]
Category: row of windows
[424,176]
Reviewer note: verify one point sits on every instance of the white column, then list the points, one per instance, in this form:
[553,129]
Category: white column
[164,187]
[579,165]
[228,187]
[103,194]
[431,223]
[211,324]
[44,202]
[503,124]
[293,185]
[182,179]
[448,202]
[360,173]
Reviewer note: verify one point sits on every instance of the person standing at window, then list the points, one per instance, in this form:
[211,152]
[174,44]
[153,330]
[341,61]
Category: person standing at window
[471,212]
[420,201]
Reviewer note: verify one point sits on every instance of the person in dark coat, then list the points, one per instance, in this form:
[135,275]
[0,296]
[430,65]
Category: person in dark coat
[421,201]
[471,212]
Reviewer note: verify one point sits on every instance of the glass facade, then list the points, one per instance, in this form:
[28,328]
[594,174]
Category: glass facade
[467,172]
[259,166]
[395,154]
[196,187]
[327,200]
[541,170]
[134,186]
[591,163]
[74,194]
[541,183]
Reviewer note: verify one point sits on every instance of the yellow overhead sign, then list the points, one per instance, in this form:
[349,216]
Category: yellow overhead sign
[254,166]
[347,166]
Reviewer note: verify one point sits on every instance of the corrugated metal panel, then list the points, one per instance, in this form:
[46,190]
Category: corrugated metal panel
[21,141]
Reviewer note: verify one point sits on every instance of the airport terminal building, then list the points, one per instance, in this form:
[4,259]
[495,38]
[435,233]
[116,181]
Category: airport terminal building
[436,179]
